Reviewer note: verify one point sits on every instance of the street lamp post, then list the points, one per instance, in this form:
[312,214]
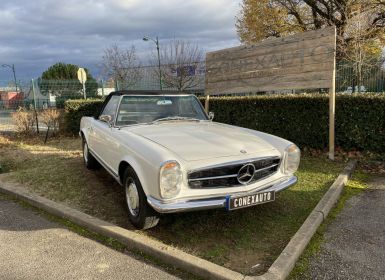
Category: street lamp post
[156,41]
[13,70]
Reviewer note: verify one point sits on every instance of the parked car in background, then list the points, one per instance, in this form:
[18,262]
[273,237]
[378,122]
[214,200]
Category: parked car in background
[171,157]
[361,89]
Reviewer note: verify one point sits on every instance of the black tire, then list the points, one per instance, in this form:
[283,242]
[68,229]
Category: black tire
[89,161]
[142,216]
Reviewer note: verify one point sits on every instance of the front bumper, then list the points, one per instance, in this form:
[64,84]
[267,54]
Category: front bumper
[211,203]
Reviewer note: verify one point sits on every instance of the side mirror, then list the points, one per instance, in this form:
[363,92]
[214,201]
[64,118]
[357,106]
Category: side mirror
[106,118]
[211,116]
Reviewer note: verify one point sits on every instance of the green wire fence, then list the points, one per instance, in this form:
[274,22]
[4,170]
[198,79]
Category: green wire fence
[38,94]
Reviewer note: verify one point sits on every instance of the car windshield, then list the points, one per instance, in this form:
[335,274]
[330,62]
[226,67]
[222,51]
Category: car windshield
[150,109]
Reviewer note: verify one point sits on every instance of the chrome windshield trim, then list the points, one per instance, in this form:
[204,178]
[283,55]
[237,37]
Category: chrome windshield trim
[155,95]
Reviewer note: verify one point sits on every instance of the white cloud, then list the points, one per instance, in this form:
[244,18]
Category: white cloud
[35,34]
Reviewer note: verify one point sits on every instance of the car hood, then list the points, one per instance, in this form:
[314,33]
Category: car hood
[204,140]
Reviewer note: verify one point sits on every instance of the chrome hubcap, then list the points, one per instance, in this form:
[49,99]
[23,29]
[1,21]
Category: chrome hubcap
[85,152]
[132,197]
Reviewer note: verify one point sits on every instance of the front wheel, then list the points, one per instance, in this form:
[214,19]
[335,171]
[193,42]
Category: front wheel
[140,213]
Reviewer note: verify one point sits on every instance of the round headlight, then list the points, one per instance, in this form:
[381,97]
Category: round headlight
[291,159]
[170,179]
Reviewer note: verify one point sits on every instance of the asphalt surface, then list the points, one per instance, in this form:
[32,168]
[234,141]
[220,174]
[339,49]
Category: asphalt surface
[354,246]
[32,247]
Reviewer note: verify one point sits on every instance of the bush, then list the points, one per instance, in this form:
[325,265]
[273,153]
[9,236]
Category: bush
[76,109]
[50,117]
[304,119]
[24,120]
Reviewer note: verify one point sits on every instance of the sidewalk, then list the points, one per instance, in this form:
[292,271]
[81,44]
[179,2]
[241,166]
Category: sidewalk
[354,246]
[31,247]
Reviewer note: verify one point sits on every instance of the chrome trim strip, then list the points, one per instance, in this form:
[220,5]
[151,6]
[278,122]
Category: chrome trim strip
[268,167]
[211,203]
[243,161]
[214,177]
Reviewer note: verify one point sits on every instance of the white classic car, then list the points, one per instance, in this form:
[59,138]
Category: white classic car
[170,156]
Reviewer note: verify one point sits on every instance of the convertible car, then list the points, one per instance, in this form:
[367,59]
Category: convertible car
[170,156]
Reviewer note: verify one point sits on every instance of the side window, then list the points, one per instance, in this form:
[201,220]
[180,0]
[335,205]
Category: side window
[111,107]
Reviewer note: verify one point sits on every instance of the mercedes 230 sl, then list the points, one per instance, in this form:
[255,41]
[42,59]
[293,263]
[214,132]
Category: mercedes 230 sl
[170,156]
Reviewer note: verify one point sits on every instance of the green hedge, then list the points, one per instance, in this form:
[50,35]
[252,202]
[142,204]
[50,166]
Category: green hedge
[78,108]
[303,119]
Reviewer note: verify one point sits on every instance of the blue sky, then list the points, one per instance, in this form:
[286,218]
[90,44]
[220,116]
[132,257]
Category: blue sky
[36,34]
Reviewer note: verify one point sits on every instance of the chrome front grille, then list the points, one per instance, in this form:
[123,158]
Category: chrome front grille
[228,175]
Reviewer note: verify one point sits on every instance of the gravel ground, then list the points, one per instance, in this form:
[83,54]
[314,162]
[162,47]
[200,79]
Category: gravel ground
[354,246]
[31,247]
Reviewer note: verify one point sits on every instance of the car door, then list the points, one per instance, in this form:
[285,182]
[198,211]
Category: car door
[101,139]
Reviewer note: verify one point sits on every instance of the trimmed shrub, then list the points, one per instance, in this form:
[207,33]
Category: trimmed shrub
[78,108]
[304,119]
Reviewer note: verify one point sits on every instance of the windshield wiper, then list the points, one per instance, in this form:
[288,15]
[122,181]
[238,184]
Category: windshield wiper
[175,118]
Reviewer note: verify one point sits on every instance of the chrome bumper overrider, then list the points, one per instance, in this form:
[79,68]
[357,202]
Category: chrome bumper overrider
[211,203]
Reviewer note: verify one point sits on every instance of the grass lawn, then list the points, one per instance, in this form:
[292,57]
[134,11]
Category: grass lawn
[247,240]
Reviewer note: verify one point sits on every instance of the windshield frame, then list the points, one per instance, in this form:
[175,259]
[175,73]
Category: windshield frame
[156,95]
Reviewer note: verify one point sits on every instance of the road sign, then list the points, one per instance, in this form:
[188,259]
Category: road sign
[82,76]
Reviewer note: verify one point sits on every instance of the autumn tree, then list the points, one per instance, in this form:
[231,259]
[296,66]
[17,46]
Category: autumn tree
[122,65]
[261,19]
[180,60]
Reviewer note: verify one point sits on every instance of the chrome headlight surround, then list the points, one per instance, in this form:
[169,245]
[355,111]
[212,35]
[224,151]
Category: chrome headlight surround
[170,179]
[291,159]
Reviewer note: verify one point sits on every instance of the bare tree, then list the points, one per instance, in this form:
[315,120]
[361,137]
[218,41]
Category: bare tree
[122,65]
[180,62]
[360,51]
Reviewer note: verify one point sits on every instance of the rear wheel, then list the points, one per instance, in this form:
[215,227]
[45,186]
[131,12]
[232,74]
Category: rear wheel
[140,213]
[89,160]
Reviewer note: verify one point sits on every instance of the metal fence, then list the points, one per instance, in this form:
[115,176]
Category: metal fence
[370,78]
[40,94]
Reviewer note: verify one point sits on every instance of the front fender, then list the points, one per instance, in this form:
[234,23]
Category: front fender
[147,173]
[85,125]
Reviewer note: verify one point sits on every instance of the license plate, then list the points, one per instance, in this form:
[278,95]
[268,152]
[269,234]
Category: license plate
[237,202]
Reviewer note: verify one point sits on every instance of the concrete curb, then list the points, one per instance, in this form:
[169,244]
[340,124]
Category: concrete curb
[133,240]
[170,255]
[284,264]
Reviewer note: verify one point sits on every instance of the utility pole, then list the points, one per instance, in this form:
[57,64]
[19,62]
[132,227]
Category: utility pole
[156,41]
[14,72]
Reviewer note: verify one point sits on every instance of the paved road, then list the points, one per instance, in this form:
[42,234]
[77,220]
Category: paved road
[31,247]
[354,246]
